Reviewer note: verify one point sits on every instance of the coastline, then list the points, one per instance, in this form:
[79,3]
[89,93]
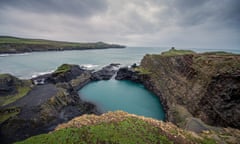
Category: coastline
[15,45]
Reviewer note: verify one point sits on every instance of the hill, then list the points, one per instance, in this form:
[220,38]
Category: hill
[121,127]
[20,45]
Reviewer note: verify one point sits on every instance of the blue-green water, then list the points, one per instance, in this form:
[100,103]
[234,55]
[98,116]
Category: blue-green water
[123,95]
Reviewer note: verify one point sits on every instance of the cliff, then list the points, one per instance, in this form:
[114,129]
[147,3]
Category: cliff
[121,127]
[20,45]
[205,86]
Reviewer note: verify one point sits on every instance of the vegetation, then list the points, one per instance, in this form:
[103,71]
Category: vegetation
[20,89]
[63,68]
[117,127]
[131,130]
[218,53]
[5,114]
[141,70]
[173,52]
[17,45]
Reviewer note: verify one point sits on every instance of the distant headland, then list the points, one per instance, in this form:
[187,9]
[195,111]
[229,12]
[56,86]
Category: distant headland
[9,44]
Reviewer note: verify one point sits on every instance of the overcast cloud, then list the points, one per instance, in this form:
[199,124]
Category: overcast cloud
[179,23]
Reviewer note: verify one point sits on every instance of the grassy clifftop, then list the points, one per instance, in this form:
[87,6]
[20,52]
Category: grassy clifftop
[18,45]
[119,127]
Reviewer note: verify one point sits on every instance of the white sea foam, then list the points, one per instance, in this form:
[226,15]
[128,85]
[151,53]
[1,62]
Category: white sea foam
[41,73]
[4,55]
[89,66]
[20,54]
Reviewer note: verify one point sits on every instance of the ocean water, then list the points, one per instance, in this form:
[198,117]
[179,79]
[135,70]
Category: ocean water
[128,96]
[32,64]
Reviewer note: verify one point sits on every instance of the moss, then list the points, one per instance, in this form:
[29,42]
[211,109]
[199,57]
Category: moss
[142,70]
[6,115]
[63,68]
[21,91]
[131,130]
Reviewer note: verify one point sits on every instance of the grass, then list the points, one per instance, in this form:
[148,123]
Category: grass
[142,70]
[9,44]
[218,53]
[131,130]
[63,68]
[22,91]
[173,52]
[6,115]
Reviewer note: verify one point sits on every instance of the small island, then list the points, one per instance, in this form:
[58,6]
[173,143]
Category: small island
[12,45]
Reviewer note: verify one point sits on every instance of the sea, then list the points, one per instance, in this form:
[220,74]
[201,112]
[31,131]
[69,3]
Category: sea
[107,95]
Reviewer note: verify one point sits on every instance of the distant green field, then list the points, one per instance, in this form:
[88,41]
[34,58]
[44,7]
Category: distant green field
[18,45]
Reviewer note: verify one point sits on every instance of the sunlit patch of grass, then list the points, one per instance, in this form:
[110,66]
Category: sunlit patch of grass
[174,52]
[131,130]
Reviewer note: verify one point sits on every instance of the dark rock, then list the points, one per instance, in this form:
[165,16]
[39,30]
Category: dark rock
[105,73]
[221,103]
[126,73]
[8,84]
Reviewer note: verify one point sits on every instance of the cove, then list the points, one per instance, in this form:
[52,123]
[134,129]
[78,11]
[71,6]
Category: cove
[128,96]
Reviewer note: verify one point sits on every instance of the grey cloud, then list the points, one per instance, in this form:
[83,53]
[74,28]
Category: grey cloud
[151,22]
[189,12]
[72,7]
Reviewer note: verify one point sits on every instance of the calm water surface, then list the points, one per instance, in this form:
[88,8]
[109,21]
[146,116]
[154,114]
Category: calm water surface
[128,96]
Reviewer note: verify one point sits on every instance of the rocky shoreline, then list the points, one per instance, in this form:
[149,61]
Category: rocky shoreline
[53,99]
[196,91]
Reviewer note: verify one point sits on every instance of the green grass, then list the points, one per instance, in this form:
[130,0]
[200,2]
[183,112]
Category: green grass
[141,70]
[128,131]
[63,68]
[22,91]
[218,53]
[6,115]
[173,52]
[9,44]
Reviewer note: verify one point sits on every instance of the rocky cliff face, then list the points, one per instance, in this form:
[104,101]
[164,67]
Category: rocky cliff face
[52,100]
[205,86]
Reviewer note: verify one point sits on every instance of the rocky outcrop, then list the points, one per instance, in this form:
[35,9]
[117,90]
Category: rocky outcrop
[105,73]
[54,101]
[9,84]
[121,127]
[205,86]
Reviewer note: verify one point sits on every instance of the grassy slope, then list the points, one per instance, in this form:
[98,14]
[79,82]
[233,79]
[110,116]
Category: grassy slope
[22,44]
[117,127]
[22,87]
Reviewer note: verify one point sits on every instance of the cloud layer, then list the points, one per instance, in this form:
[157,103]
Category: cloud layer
[180,23]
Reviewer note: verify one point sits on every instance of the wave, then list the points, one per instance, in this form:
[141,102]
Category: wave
[41,73]
[89,66]
[4,55]
[19,54]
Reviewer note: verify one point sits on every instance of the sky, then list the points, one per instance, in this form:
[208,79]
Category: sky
[179,23]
